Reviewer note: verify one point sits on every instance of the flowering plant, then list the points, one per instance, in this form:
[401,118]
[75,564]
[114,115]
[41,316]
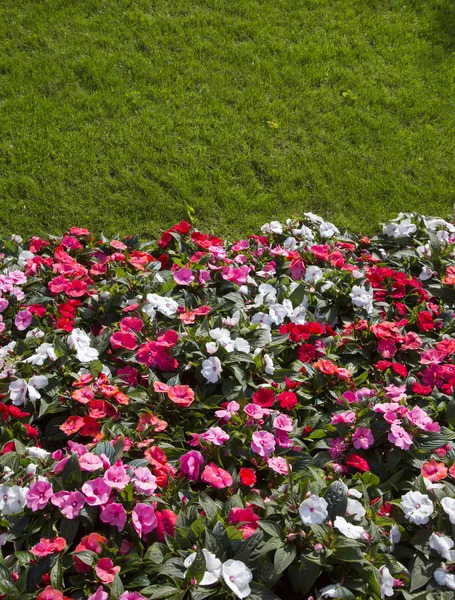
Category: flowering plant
[190,418]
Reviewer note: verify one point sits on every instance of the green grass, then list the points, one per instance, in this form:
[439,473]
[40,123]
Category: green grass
[118,115]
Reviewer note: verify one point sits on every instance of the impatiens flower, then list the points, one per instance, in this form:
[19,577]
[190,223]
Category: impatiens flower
[114,514]
[418,507]
[400,437]
[216,477]
[96,491]
[117,477]
[443,545]
[346,417]
[166,521]
[190,464]
[12,499]
[123,340]
[144,481]
[264,397]
[331,591]
[212,567]
[434,471]
[23,320]
[263,443]
[211,369]
[131,596]
[182,395]
[283,423]
[287,400]
[387,582]
[49,593]
[38,495]
[69,503]
[362,438]
[106,571]
[247,476]
[448,505]
[183,276]
[444,578]
[354,532]
[278,464]
[215,435]
[313,511]
[99,594]
[355,509]
[237,577]
[90,462]
[144,519]
[45,547]
[19,389]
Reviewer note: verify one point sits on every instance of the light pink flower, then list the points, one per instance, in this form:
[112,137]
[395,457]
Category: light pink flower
[132,596]
[23,319]
[144,481]
[254,411]
[418,417]
[106,571]
[69,503]
[227,413]
[190,464]
[362,438]
[96,491]
[183,276]
[400,437]
[263,443]
[346,417]
[114,514]
[99,594]
[283,423]
[216,477]
[90,462]
[117,477]
[144,519]
[215,435]
[278,464]
[396,392]
[38,495]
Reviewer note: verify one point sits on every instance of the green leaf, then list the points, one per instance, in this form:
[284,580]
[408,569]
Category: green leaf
[260,592]
[303,575]
[57,576]
[337,499]
[117,588]
[197,568]
[164,591]
[273,529]
[422,572]
[72,474]
[284,557]
[155,554]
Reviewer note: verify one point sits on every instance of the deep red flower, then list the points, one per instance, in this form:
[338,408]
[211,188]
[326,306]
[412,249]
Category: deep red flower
[287,400]
[357,462]
[264,397]
[425,321]
[247,477]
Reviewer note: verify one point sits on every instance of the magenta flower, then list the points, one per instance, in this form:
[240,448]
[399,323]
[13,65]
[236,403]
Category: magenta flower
[97,492]
[99,594]
[190,464]
[337,447]
[362,438]
[216,477]
[69,503]
[263,443]
[183,276]
[283,423]
[114,514]
[400,437]
[117,477]
[90,462]
[38,495]
[132,596]
[144,519]
[144,481]
[23,319]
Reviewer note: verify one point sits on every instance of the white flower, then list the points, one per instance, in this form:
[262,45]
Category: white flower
[219,334]
[269,368]
[34,334]
[12,499]
[42,352]
[331,591]
[417,507]
[86,355]
[211,369]
[232,321]
[355,509]
[211,347]
[262,318]
[386,582]
[327,229]
[166,306]
[274,227]
[237,577]
[443,578]
[241,345]
[355,493]
[213,567]
[38,453]
[304,232]
[362,298]
[31,469]
[429,485]
[313,510]
[426,273]
[448,505]
[394,536]
[19,388]
[78,339]
[313,274]
[443,545]
[354,532]
[277,313]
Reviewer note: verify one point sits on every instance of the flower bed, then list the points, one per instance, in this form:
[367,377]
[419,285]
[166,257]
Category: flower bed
[187,418]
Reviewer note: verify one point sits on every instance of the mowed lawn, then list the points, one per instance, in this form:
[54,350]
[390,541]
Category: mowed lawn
[124,115]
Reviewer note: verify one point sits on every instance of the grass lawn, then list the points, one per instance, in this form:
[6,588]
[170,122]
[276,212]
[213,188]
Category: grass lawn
[119,115]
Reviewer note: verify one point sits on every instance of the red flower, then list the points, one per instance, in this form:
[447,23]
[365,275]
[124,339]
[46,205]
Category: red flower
[357,462]
[123,339]
[247,477]
[264,397]
[327,367]
[287,400]
[166,523]
[51,594]
[306,353]
[434,471]
[425,321]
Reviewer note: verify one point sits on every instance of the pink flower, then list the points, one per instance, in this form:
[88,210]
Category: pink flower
[183,276]
[215,435]
[69,503]
[114,514]
[90,462]
[117,477]
[144,519]
[230,410]
[254,411]
[106,571]
[99,595]
[278,464]
[283,423]
[45,547]
[144,481]
[238,275]
[23,319]
[263,443]
[283,440]
[123,340]
[132,596]
[190,464]
[346,417]
[337,447]
[396,392]
[216,477]
[96,491]
[362,438]
[387,348]
[38,495]
[400,437]
[418,417]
